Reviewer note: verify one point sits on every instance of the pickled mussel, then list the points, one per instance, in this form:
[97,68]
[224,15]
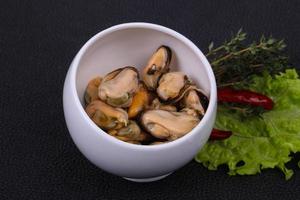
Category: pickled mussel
[172,85]
[106,116]
[91,92]
[131,132]
[158,109]
[140,101]
[168,125]
[157,66]
[118,87]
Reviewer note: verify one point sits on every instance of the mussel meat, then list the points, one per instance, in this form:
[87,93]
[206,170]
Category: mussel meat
[140,101]
[131,132]
[172,85]
[106,116]
[157,66]
[168,125]
[91,92]
[157,105]
[157,142]
[118,87]
[195,99]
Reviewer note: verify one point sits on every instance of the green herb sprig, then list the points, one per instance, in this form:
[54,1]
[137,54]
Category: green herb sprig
[235,61]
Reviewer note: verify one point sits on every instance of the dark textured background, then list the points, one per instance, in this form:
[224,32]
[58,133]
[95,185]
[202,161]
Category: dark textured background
[38,40]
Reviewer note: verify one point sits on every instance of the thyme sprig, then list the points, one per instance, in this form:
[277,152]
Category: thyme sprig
[236,60]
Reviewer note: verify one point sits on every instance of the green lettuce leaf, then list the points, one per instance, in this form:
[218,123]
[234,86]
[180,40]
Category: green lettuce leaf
[259,142]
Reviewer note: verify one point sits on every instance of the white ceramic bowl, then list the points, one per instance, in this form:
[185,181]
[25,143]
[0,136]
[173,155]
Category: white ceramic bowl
[133,44]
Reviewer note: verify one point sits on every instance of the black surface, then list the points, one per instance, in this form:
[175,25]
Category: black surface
[38,40]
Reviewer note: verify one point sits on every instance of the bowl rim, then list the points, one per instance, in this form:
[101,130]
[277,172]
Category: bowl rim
[213,92]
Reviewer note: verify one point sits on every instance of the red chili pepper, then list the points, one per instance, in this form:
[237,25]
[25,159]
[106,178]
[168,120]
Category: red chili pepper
[219,135]
[228,94]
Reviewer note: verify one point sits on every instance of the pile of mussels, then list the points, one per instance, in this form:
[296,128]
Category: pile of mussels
[161,107]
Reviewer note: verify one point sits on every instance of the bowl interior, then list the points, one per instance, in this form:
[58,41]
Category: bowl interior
[133,47]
